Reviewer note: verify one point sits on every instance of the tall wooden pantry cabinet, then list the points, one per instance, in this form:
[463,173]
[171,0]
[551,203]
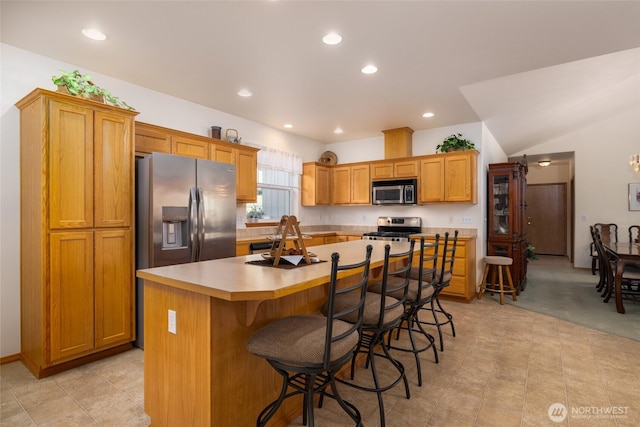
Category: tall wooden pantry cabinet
[507,216]
[77,237]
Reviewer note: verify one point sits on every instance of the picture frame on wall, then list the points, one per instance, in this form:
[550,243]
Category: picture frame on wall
[634,196]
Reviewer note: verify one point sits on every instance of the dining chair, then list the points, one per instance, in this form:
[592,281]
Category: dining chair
[634,234]
[308,350]
[605,283]
[608,233]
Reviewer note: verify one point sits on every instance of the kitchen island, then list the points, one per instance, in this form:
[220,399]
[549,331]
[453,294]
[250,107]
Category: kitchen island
[198,318]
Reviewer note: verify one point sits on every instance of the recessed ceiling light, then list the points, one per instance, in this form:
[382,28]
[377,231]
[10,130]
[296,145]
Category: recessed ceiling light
[332,38]
[427,115]
[93,34]
[338,130]
[369,69]
[244,93]
[287,125]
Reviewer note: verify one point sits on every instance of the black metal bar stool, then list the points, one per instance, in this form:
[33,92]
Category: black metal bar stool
[308,350]
[382,314]
[420,291]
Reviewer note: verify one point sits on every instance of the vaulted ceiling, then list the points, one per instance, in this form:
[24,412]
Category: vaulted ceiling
[530,70]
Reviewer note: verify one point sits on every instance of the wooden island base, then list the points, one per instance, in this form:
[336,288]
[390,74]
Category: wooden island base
[203,374]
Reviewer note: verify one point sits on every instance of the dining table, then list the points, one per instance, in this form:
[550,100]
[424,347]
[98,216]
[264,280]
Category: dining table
[626,253]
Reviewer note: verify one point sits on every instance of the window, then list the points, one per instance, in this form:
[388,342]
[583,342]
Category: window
[278,184]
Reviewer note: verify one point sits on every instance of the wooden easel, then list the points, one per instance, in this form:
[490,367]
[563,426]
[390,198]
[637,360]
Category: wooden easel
[288,231]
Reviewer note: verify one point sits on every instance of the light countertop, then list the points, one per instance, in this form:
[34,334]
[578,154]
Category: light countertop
[231,279]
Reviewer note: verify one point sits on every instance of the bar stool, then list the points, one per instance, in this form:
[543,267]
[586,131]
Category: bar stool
[309,350]
[497,263]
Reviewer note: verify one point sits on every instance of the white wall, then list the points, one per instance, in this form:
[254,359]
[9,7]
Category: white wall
[602,175]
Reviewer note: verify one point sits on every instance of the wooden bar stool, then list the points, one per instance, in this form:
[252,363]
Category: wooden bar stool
[497,263]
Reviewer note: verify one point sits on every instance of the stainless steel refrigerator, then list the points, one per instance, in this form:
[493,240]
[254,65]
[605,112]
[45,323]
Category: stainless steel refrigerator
[185,212]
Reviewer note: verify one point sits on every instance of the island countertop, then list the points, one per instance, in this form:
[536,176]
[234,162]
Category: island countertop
[232,279]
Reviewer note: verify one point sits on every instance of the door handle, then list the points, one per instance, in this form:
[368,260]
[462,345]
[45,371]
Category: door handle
[200,222]
[193,224]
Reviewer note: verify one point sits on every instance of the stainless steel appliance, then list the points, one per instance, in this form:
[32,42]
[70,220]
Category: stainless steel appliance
[396,229]
[185,212]
[396,192]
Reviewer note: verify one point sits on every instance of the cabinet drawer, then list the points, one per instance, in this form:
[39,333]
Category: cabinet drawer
[457,287]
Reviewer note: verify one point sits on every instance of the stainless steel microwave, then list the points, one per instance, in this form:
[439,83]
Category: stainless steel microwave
[396,192]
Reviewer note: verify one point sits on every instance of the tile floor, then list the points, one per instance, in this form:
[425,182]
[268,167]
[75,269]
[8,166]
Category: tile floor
[505,367]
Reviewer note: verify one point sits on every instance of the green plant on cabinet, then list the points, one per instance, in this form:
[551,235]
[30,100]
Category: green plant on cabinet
[455,142]
[79,84]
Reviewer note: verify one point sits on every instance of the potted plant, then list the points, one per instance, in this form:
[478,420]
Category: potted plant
[530,252]
[455,142]
[78,84]
[255,213]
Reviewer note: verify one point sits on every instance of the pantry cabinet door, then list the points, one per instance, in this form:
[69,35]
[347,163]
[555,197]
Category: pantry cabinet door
[113,173]
[70,166]
[114,287]
[71,294]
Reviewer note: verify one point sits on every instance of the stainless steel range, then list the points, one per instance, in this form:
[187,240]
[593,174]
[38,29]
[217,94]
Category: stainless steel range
[396,229]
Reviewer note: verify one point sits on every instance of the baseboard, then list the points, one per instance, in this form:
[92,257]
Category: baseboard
[10,358]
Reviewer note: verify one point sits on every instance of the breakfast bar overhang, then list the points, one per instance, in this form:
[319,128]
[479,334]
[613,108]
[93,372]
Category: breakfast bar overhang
[203,375]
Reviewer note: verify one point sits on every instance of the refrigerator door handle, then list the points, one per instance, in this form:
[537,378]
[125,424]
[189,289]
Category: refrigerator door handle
[193,224]
[200,222]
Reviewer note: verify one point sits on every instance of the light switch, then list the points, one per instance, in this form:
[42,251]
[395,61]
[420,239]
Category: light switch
[172,321]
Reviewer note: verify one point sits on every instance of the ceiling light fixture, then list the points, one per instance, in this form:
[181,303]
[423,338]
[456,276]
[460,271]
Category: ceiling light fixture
[287,126]
[544,163]
[338,130]
[369,69]
[94,34]
[428,115]
[332,38]
[635,162]
[245,93]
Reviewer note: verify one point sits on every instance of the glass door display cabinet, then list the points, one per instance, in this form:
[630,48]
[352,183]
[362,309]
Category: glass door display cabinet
[507,226]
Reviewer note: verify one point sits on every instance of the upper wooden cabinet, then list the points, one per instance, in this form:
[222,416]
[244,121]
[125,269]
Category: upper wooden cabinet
[189,147]
[77,246]
[351,184]
[246,174]
[150,138]
[442,178]
[449,177]
[407,168]
[316,184]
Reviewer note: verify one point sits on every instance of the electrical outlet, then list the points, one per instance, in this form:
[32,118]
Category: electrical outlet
[451,219]
[172,322]
[239,219]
